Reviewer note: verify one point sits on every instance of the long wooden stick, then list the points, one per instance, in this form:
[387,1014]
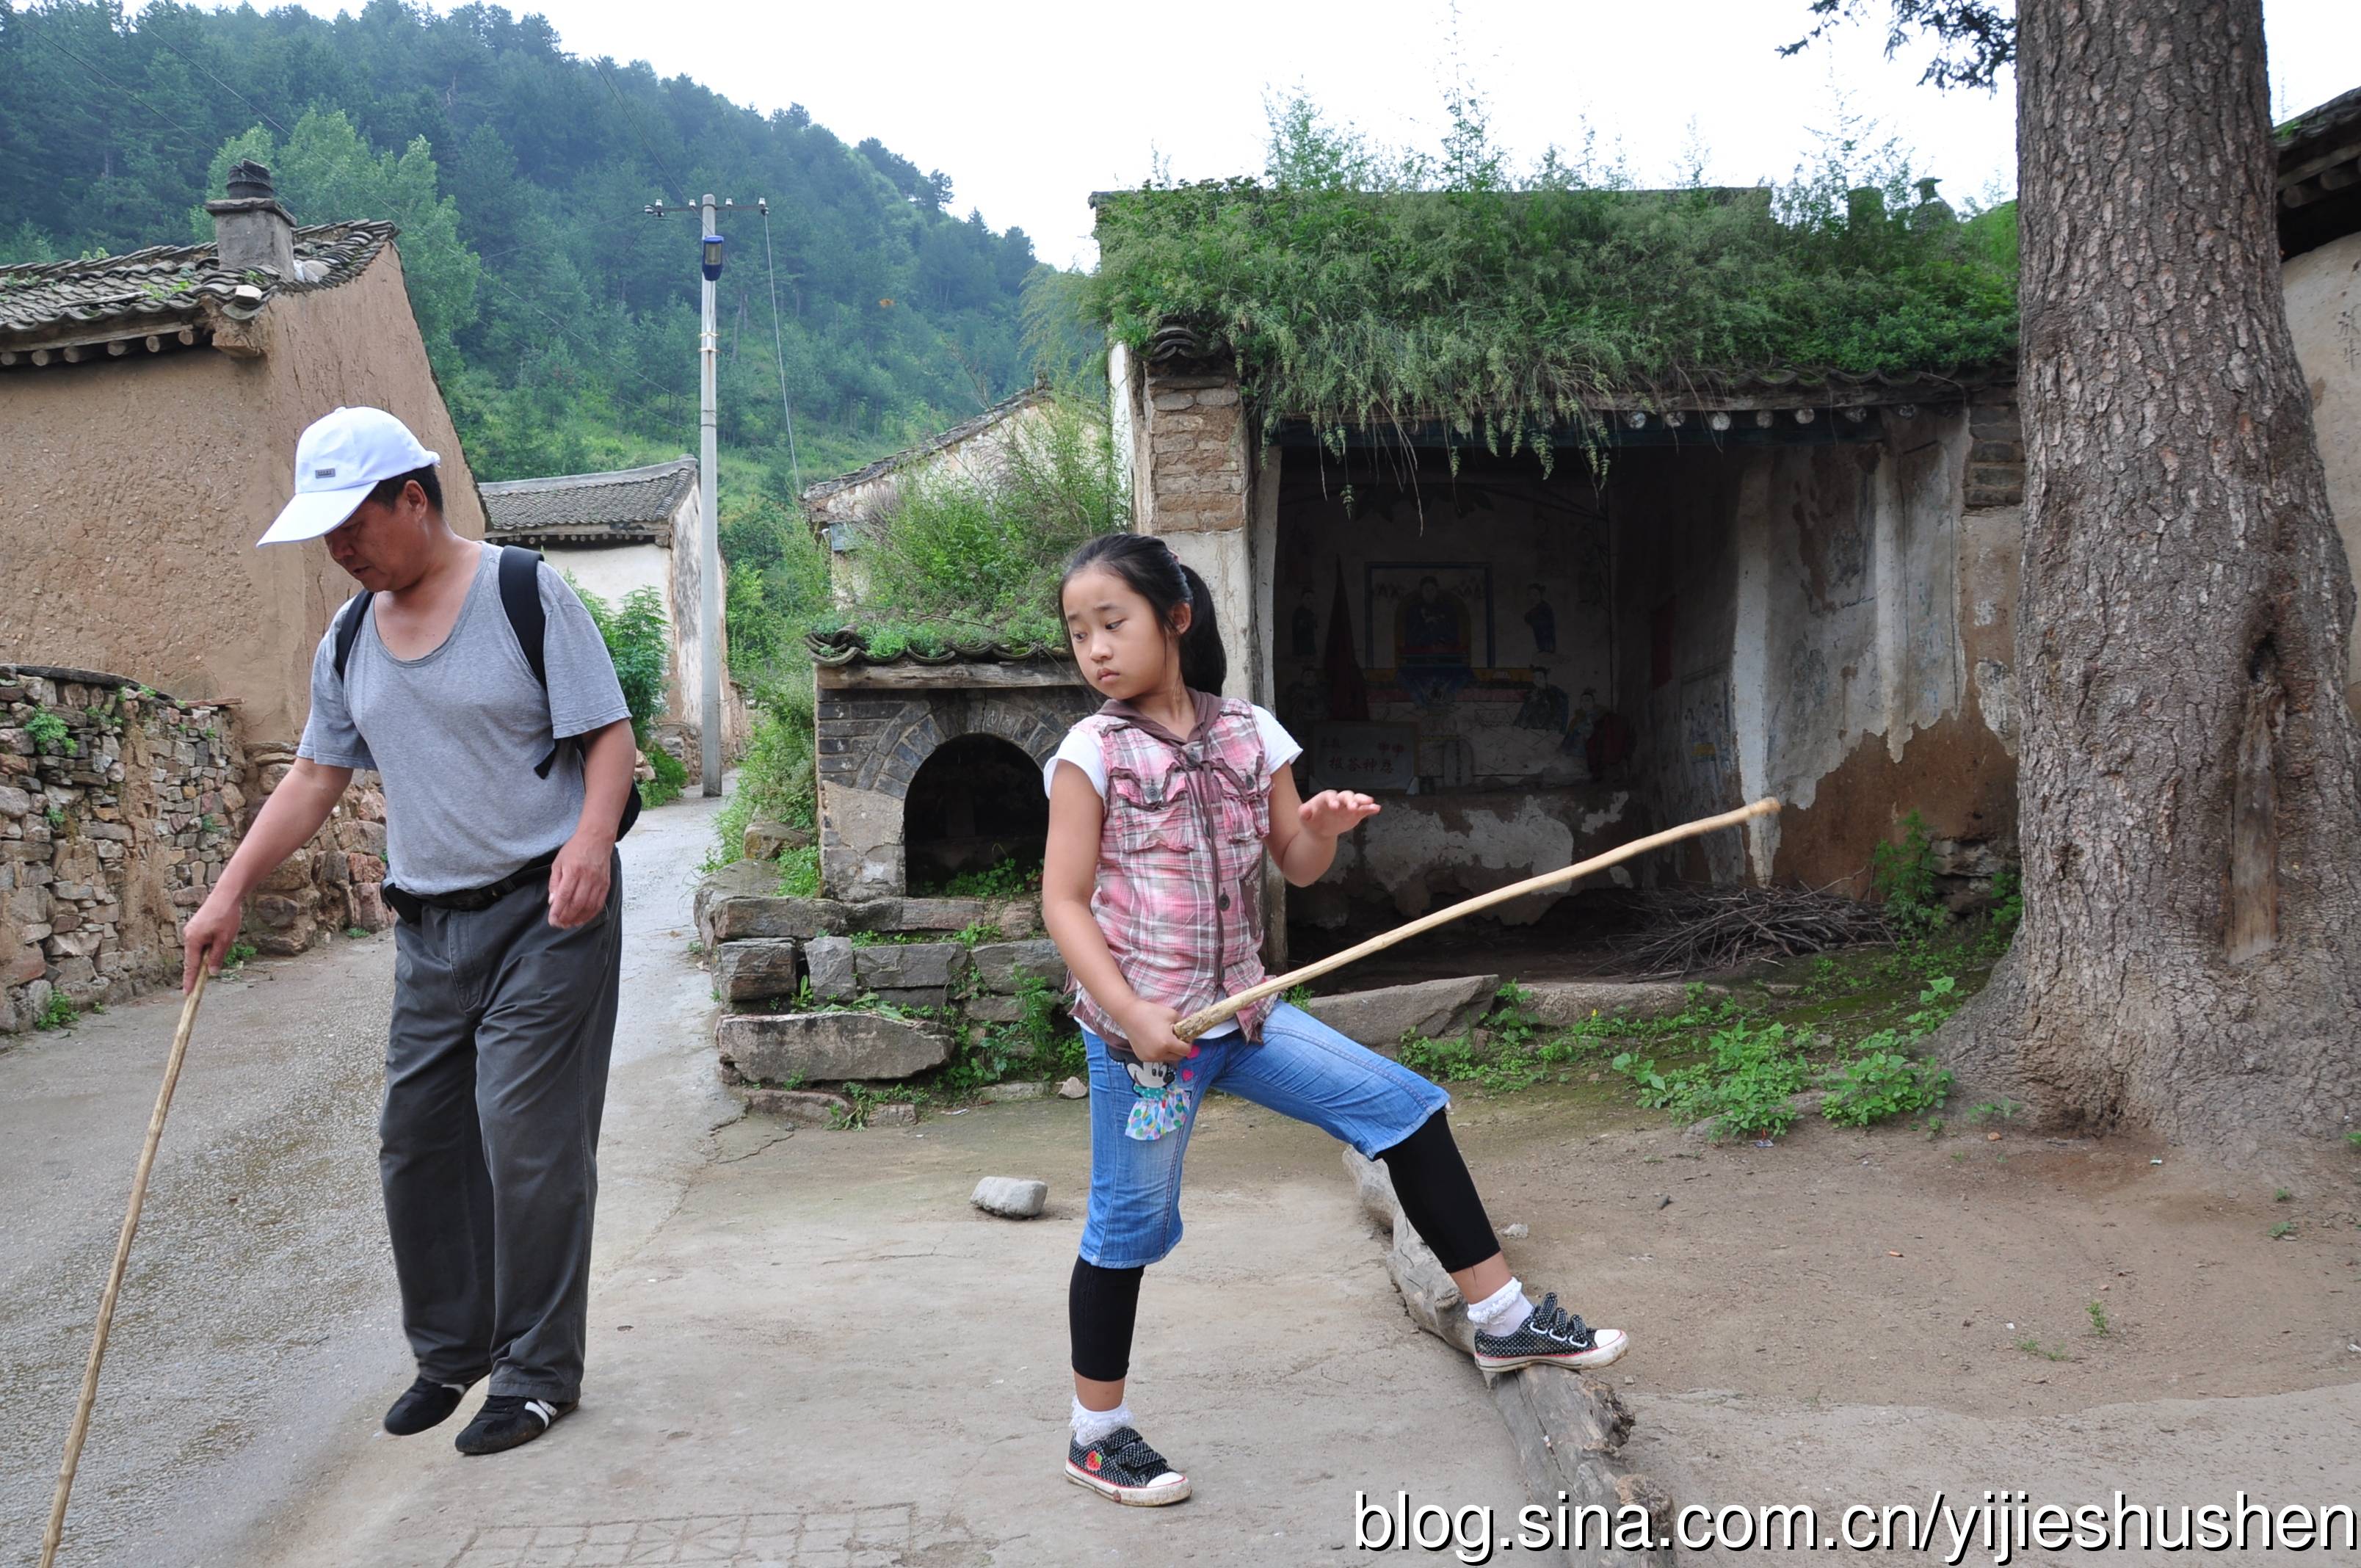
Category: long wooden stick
[1197,1023]
[115,1276]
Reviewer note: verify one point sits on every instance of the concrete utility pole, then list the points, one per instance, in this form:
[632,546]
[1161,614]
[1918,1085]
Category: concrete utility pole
[709,565]
[709,542]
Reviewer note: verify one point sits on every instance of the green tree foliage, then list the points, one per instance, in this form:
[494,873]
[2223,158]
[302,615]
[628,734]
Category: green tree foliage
[1359,286]
[324,169]
[636,641]
[519,174]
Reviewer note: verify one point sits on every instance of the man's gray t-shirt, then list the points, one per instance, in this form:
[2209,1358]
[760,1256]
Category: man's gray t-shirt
[457,733]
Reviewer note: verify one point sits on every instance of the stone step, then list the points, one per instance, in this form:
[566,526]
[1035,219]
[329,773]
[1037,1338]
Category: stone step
[810,1048]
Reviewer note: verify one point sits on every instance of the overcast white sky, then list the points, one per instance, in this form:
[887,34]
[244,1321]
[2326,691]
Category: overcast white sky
[1030,107]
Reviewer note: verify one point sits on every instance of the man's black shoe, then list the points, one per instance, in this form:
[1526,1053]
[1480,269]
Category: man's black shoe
[425,1404]
[507,1421]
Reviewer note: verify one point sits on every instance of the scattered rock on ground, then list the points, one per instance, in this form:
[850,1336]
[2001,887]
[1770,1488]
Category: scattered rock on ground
[1002,1093]
[763,841]
[1010,1197]
[1558,1002]
[1379,1018]
[899,1113]
[1073,1088]
[1516,1231]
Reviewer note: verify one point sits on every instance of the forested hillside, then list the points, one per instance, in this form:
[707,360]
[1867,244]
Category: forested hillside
[563,319]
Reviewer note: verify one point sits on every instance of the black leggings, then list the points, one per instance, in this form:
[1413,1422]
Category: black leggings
[1437,1195]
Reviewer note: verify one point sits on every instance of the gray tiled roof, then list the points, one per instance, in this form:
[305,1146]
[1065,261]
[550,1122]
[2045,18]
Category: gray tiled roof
[628,503]
[821,490]
[165,287]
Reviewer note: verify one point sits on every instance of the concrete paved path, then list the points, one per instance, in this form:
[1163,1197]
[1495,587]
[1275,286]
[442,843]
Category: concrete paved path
[806,1349]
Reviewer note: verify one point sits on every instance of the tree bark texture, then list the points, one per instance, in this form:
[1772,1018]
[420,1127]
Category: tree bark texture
[2190,815]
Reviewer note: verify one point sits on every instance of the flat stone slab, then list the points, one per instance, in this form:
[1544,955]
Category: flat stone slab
[909,966]
[799,1047]
[759,967]
[804,1107]
[1379,1018]
[1010,1197]
[1003,965]
[732,917]
[1561,1001]
[1006,1093]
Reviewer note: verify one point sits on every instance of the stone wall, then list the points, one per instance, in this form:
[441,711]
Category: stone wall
[117,809]
[333,884]
[119,806]
[797,979]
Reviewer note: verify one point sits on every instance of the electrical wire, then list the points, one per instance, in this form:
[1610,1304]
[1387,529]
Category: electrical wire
[662,167]
[158,38]
[102,79]
[779,351]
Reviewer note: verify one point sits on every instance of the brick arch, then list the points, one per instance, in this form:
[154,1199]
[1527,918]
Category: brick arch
[922,727]
[871,746]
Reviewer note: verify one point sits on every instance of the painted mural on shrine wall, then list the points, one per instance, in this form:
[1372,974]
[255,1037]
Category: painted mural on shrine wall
[1453,640]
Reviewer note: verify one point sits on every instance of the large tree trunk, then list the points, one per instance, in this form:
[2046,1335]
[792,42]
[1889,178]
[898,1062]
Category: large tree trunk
[2191,955]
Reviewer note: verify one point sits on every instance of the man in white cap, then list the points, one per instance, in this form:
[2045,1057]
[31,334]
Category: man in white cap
[472,679]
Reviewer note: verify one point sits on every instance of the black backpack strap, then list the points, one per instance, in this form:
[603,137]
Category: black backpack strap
[521,601]
[348,628]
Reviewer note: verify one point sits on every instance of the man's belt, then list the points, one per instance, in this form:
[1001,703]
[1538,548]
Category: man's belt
[410,905]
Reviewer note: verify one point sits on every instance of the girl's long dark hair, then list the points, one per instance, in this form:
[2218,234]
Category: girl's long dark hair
[1149,566]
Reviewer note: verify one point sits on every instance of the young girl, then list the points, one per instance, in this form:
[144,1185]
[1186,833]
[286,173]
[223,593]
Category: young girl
[1161,808]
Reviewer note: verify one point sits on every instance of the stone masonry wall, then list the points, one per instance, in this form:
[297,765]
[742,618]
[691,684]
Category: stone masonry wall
[119,806]
[332,884]
[117,809]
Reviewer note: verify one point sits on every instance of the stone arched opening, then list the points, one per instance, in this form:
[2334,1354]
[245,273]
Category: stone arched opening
[975,802]
[882,751]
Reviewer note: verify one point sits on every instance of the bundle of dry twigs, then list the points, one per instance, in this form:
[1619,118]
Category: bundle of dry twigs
[1693,929]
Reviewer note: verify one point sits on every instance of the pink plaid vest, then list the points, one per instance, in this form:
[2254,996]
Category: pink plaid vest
[1180,882]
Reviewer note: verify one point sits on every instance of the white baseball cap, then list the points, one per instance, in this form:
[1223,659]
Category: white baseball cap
[339,460]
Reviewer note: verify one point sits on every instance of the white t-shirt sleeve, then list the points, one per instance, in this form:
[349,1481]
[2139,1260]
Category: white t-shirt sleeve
[1082,748]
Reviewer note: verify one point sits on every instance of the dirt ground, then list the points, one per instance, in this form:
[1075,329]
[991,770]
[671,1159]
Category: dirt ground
[1851,1265]
[1867,1315]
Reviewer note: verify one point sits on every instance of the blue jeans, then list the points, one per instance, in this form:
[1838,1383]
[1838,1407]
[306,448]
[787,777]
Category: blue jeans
[1302,1069]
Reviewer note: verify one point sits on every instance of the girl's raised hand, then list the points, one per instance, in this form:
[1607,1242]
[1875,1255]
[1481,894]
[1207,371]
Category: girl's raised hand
[1333,812]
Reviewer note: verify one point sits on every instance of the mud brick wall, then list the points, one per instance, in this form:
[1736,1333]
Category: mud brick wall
[1996,473]
[119,806]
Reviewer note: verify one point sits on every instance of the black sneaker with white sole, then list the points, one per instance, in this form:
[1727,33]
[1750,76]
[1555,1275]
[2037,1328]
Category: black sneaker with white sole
[1551,1336]
[1121,1465]
[426,1403]
[509,1420]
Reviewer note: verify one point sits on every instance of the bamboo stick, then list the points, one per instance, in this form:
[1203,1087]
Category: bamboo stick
[114,1275]
[1197,1023]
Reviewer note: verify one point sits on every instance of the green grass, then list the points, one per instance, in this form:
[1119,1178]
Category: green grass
[800,872]
[57,1013]
[2099,1328]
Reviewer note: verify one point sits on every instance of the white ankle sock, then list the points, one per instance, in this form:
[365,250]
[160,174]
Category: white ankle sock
[1500,1312]
[1089,1425]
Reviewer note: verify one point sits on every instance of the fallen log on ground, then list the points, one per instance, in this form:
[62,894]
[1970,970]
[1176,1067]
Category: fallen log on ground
[1568,1429]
